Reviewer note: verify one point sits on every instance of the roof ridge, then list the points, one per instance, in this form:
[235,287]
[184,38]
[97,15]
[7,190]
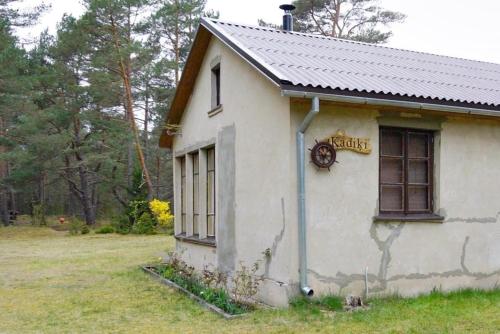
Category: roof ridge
[245,25]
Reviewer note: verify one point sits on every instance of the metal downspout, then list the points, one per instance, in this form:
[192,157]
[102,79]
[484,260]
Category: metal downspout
[304,287]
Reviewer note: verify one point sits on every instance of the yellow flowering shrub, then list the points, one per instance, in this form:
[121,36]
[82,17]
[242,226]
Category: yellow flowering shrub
[162,213]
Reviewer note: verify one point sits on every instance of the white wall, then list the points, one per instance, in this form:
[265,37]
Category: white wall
[406,258]
[261,117]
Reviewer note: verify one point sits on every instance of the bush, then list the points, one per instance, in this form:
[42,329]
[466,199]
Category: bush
[105,229]
[143,217]
[144,225]
[85,229]
[162,213]
[122,224]
[39,215]
[75,226]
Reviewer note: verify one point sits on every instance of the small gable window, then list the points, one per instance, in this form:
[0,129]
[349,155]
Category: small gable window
[216,101]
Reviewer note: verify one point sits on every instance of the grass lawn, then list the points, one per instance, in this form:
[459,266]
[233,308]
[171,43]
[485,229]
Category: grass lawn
[51,282]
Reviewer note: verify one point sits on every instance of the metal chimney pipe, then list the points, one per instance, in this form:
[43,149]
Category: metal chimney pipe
[287,17]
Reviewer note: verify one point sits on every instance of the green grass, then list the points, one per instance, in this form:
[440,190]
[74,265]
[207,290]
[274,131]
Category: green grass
[51,282]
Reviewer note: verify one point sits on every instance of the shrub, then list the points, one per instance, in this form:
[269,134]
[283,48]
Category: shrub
[122,224]
[85,229]
[162,213]
[245,283]
[38,218]
[105,229]
[75,226]
[144,225]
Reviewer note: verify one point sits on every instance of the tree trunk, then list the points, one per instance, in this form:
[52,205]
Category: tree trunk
[125,74]
[146,122]
[4,198]
[157,176]
[86,198]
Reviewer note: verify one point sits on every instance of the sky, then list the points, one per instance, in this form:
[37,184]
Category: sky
[455,28]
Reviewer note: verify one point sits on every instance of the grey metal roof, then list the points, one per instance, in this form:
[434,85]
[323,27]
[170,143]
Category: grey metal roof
[313,61]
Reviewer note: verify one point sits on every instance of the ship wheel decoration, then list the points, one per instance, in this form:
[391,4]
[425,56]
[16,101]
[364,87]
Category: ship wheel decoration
[323,154]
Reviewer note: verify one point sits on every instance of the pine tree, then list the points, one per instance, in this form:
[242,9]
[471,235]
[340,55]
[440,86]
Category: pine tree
[358,20]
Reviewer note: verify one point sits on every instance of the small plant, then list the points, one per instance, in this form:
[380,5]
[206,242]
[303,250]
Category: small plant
[246,283]
[327,303]
[75,226]
[122,224]
[214,278]
[106,229]
[210,285]
[38,218]
[85,229]
[144,225]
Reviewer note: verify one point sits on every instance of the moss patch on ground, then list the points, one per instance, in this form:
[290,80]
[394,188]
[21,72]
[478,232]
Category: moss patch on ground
[51,282]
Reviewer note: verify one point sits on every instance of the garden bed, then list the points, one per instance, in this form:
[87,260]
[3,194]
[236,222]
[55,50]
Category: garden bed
[238,309]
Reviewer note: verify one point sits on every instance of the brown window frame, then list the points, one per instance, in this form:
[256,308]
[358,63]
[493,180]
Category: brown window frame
[406,212]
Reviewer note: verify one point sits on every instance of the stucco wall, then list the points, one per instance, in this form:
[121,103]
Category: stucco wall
[251,136]
[257,194]
[405,258]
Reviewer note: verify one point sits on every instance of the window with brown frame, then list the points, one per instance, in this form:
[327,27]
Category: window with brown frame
[406,171]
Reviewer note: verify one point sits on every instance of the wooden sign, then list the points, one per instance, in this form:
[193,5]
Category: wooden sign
[341,141]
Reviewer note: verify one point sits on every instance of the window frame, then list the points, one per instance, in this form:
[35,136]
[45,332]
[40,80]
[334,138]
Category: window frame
[406,212]
[196,193]
[183,197]
[213,196]
[216,86]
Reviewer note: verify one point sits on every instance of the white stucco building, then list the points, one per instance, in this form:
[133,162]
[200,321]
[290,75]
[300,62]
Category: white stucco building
[413,202]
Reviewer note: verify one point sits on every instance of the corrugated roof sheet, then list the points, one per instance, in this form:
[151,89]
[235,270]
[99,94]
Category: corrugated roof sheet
[324,62]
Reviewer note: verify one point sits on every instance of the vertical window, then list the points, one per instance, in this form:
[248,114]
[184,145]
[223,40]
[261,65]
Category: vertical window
[196,193]
[406,160]
[216,86]
[211,192]
[183,195]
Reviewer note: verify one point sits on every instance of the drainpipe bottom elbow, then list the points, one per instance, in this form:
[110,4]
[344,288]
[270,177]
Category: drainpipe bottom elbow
[307,291]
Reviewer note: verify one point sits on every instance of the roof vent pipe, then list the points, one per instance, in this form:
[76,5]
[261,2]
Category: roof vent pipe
[287,18]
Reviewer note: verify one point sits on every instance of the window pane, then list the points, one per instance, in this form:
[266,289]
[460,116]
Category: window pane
[210,193]
[418,145]
[418,171]
[195,224]
[391,143]
[418,199]
[211,206]
[196,192]
[196,164]
[211,159]
[210,226]
[183,195]
[391,170]
[391,198]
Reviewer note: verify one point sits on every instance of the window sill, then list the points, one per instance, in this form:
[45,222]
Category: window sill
[215,110]
[427,218]
[208,241]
